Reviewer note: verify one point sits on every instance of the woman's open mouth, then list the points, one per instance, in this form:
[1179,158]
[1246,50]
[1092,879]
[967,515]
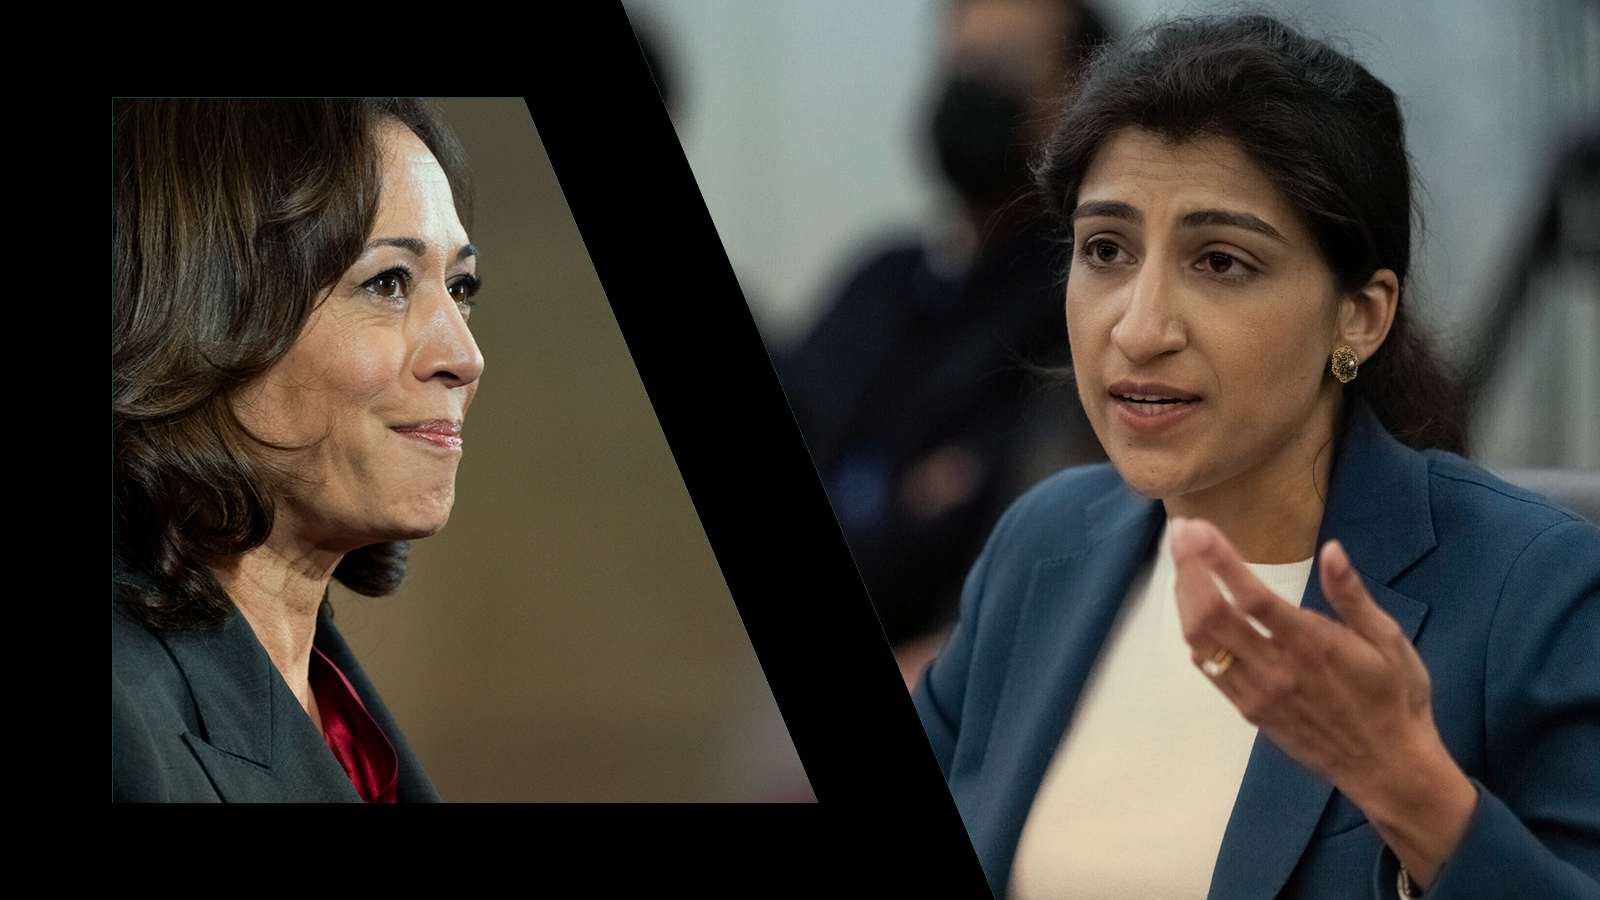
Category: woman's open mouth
[1151,407]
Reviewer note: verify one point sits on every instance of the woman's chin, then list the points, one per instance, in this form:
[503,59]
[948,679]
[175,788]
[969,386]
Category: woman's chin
[404,525]
[1155,481]
[1151,491]
[417,533]
[423,526]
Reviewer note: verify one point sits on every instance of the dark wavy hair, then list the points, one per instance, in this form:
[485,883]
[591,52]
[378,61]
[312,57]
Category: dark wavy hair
[229,220]
[1325,131]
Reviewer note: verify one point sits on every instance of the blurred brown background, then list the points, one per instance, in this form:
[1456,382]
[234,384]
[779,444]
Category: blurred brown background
[568,636]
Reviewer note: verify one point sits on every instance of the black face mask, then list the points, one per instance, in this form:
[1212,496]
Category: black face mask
[977,134]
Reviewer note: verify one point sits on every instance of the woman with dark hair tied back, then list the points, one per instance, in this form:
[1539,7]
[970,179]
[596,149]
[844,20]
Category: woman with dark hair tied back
[1287,643]
[291,365]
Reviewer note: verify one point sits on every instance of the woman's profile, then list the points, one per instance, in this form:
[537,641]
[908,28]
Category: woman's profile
[1287,643]
[291,370]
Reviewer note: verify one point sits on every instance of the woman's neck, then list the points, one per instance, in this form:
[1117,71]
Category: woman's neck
[1273,514]
[279,592]
[1283,532]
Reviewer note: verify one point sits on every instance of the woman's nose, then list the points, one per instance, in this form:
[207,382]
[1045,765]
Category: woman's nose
[446,349]
[1150,324]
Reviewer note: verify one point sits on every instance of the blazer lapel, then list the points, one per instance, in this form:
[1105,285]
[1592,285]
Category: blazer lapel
[1071,604]
[1378,509]
[256,743]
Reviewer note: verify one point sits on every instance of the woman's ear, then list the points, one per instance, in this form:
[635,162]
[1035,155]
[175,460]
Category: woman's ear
[1365,316]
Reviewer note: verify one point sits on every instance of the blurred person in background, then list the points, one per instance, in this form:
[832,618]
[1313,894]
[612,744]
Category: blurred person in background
[913,392]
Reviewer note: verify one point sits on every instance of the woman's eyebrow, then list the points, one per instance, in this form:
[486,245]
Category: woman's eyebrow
[419,247]
[1110,209]
[1205,217]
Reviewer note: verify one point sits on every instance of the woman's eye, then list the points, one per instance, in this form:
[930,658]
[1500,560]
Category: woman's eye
[462,292]
[389,284]
[1103,252]
[1225,264]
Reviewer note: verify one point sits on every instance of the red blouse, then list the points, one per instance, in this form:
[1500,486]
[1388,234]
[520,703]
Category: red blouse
[355,739]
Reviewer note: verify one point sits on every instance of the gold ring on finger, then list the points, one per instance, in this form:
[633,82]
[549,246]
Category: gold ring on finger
[1220,662]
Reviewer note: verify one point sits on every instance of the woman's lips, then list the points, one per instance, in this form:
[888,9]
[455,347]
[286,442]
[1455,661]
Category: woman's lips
[443,433]
[1148,407]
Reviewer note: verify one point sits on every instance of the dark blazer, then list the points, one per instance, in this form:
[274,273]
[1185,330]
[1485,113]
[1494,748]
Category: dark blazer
[1498,589]
[205,717]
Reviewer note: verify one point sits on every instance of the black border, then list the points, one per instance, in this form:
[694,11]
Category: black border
[743,461]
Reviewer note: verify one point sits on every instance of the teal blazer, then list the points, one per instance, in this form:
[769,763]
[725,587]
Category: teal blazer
[205,717]
[1498,589]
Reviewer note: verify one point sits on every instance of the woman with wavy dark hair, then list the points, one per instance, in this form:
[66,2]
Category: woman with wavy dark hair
[1286,643]
[291,365]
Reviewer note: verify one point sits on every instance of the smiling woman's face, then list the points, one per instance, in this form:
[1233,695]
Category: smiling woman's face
[377,385]
[1201,316]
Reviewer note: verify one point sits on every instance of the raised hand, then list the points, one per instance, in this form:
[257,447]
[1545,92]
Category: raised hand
[1349,699]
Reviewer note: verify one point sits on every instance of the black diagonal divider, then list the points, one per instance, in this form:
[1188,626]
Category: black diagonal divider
[720,406]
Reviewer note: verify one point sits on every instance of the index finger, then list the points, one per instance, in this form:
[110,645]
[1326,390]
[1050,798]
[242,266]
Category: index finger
[1208,618]
[1350,599]
[1253,598]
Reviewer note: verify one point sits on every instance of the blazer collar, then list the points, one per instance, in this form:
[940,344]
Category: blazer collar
[1066,614]
[256,742]
[1378,501]
[1378,508]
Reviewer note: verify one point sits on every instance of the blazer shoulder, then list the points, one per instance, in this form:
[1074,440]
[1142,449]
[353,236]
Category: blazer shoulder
[1466,494]
[138,656]
[1063,513]
[152,709]
[1065,516]
[1069,491]
[1507,554]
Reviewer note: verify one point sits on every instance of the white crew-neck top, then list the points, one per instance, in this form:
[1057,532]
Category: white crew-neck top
[1139,792]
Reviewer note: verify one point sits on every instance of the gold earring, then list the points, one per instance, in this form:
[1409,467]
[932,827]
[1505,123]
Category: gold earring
[1345,364]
